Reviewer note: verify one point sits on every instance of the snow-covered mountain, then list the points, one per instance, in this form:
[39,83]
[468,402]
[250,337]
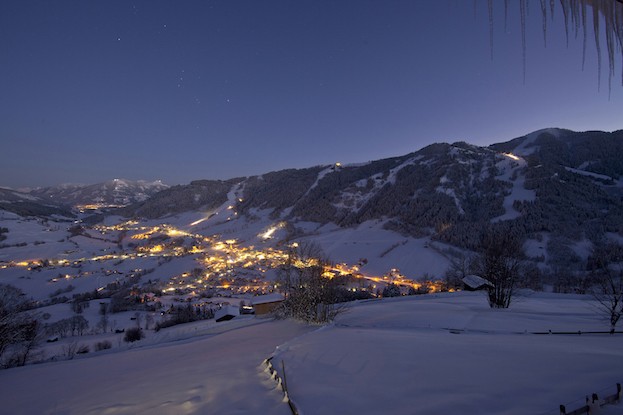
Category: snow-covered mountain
[24,204]
[558,190]
[399,220]
[199,194]
[118,192]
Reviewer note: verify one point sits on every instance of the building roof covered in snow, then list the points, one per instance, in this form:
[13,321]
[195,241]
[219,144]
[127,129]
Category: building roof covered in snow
[267,298]
[226,312]
[475,282]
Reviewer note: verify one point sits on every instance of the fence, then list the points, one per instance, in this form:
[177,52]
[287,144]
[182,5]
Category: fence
[579,332]
[594,403]
[591,407]
[281,383]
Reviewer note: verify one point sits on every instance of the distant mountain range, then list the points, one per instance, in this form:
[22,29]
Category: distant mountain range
[60,200]
[24,204]
[554,188]
[118,192]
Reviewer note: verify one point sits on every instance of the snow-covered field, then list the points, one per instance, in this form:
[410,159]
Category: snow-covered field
[432,354]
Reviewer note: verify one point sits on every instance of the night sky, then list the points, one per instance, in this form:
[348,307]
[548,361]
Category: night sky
[185,90]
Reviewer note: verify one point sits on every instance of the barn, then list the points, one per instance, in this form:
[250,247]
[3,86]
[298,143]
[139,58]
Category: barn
[266,304]
[475,283]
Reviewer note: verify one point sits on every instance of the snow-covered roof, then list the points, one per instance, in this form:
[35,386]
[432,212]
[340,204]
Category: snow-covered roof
[474,281]
[228,310]
[267,298]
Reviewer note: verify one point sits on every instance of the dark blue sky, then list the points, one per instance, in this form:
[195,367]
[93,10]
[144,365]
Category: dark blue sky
[184,90]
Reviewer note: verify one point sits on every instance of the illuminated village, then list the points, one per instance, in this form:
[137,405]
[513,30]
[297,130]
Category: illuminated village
[227,267]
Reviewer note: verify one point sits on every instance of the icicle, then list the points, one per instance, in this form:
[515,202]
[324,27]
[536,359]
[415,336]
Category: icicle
[575,13]
[565,12]
[609,18]
[575,9]
[597,44]
[618,24]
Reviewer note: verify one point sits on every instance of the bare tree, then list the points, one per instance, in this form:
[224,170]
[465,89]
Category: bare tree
[78,325]
[19,331]
[69,350]
[310,296]
[499,263]
[9,307]
[460,267]
[30,339]
[606,270]
[299,257]
[103,323]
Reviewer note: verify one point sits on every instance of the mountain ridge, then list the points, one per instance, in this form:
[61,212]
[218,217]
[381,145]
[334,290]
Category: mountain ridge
[118,192]
[562,187]
[553,188]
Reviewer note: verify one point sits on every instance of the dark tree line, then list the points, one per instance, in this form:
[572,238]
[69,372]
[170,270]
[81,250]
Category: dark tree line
[72,326]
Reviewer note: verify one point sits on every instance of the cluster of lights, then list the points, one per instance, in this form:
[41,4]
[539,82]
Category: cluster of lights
[96,206]
[224,264]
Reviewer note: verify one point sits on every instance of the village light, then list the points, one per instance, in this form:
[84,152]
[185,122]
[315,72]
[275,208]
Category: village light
[259,261]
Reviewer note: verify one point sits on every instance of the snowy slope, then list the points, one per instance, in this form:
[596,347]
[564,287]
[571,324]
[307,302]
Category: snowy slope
[382,249]
[513,171]
[452,354]
[207,375]
[434,354]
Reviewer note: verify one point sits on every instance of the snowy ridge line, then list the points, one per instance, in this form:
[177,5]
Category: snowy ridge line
[281,383]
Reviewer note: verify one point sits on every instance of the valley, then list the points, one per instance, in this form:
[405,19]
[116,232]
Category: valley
[125,275]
